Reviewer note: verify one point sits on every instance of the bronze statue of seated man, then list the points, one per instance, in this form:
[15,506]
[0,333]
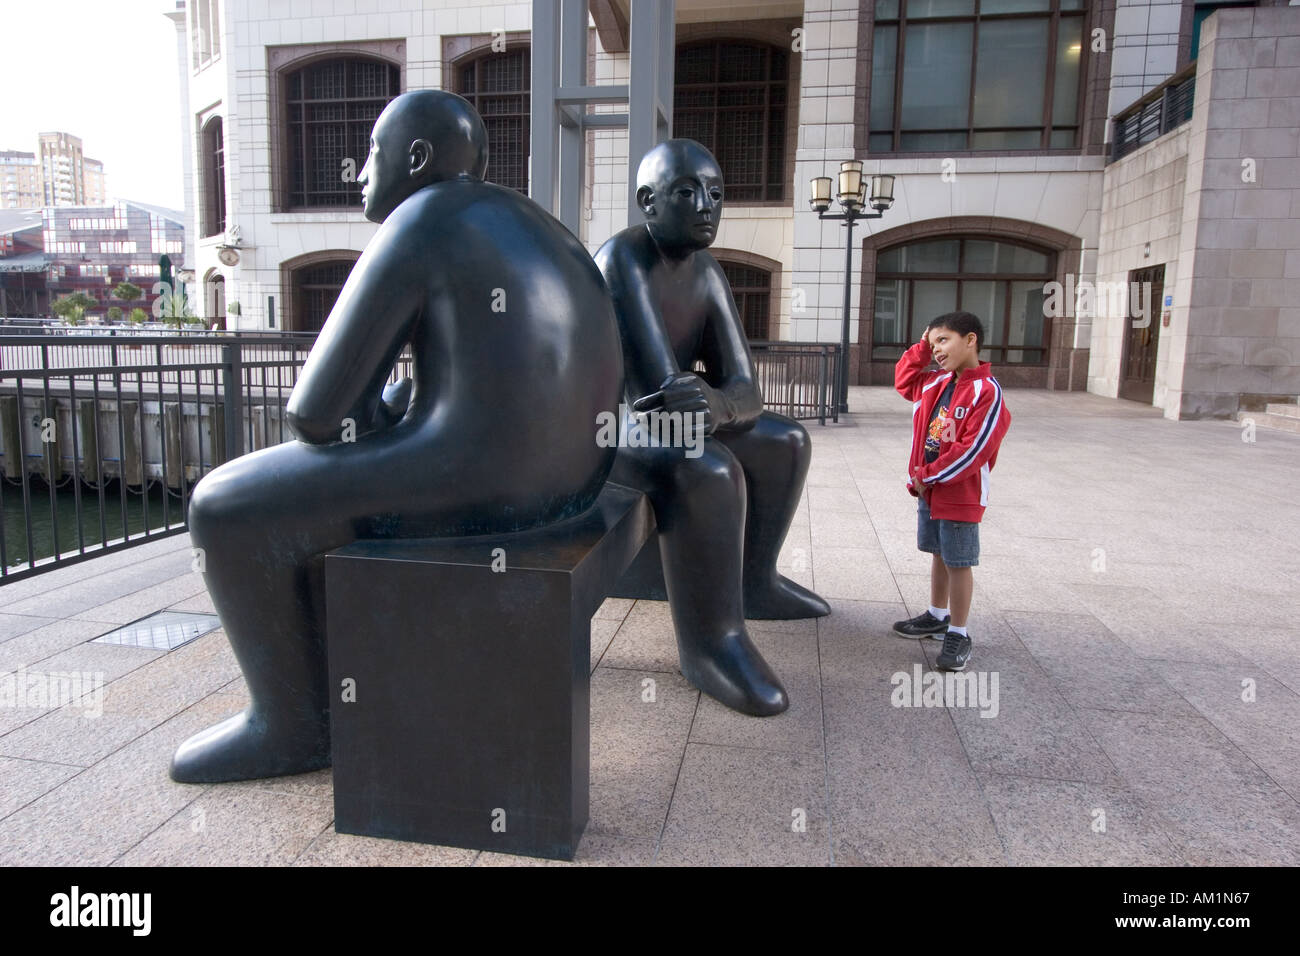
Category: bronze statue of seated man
[515,353]
[722,514]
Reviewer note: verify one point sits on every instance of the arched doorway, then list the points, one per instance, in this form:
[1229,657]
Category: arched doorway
[214,299]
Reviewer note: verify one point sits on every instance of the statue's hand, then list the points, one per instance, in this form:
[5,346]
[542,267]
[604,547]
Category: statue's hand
[689,394]
[393,403]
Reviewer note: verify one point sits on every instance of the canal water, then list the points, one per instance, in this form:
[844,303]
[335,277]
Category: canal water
[85,531]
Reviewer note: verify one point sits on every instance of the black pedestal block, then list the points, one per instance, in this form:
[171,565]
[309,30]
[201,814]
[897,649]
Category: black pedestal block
[470,723]
[644,578]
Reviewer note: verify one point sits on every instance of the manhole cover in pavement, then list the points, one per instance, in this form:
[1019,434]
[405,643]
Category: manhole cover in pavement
[164,631]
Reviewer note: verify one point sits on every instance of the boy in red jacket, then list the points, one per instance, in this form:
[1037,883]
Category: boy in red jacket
[958,421]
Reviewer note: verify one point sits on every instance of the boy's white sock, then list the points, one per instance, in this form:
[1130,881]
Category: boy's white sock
[959,630]
[939,613]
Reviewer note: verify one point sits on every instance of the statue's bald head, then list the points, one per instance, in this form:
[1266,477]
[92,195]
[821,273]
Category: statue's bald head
[421,137]
[674,158]
[679,188]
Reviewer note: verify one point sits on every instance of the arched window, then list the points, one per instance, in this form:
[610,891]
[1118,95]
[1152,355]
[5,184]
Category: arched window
[497,85]
[214,178]
[751,287]
[730,95]
[330,108]
[999,281]
[314,287]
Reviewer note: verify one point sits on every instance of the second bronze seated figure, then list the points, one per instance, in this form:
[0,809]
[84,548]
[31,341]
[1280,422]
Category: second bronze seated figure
[722,514]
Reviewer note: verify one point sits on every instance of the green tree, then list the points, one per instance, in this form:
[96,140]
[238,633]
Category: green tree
[173,307]
[72,308]
[115,313]
[128,292]
[138,315]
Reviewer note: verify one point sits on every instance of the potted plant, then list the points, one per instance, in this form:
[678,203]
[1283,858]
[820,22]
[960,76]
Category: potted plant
[72,308]
[137,318]
[176,312]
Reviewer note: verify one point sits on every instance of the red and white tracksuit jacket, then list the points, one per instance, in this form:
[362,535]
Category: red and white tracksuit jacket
[978,419]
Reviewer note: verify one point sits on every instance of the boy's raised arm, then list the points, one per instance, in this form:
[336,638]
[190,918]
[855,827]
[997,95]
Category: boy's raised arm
[978,436]
[909,373]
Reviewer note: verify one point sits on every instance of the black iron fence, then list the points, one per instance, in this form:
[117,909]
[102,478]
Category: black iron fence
[103,436]
[1165,108]
[798,378]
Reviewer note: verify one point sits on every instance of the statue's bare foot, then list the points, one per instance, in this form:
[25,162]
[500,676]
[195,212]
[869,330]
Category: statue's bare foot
[244,747]
[733,672]
[780,599]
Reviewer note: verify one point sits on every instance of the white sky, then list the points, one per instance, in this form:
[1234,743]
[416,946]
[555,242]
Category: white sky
[103,70]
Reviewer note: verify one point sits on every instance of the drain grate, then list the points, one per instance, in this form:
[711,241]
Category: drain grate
[164,631]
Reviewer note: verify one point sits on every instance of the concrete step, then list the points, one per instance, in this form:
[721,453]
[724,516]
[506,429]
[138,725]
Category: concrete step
[1278,408]
[1285,423]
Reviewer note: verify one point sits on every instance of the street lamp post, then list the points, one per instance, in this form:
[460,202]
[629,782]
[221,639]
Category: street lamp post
[852,196]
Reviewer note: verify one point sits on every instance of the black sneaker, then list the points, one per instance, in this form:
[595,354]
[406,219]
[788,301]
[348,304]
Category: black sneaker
[924,624]
[955,653]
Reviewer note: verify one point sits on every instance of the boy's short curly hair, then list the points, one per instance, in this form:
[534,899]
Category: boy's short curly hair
[963,323]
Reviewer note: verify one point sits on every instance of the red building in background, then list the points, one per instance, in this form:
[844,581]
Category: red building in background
[52,252]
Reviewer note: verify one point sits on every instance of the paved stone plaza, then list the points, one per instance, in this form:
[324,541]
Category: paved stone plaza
[1136,602]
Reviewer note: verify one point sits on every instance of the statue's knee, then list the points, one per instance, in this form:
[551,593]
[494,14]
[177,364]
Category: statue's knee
[219,504]
[710,475]
[799,441]
[208,509]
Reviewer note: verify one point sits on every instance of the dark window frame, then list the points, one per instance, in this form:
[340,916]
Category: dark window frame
[214,178]
[773,186]
[1054,15]
[474,61]
[298,186]
[997,353]
[745,295]
[309,284]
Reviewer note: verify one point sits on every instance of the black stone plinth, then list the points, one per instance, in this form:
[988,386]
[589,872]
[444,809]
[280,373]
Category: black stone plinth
[644,578]
[470,725]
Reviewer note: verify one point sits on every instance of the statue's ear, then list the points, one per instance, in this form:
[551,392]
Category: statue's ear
[421,156]
[645,198]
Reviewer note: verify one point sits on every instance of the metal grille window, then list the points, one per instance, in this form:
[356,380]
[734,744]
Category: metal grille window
[315,290]
[497,86]
[1001,282]
[331,108]
[976,74]
[731,96]
[214,174]
[751,287]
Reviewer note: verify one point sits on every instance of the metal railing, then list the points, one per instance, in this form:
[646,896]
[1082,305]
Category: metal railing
[798,378]
[1165,108]
[103,436]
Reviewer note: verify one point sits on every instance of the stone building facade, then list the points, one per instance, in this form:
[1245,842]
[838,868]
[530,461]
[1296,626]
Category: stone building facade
[994,115]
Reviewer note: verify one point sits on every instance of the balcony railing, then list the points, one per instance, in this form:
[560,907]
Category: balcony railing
[1165,108]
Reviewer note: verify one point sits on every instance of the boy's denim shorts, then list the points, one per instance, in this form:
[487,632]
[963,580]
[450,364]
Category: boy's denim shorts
[957,542]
